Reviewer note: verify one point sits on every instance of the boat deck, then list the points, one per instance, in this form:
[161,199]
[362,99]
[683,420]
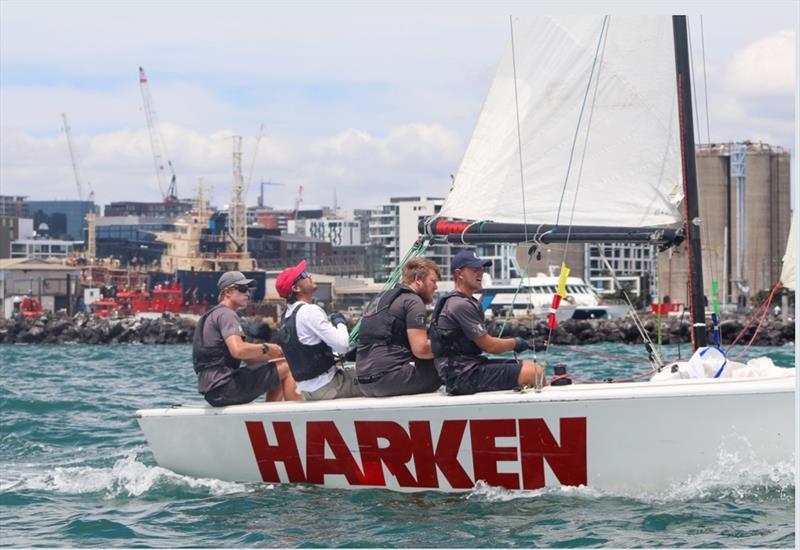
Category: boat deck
[574,392]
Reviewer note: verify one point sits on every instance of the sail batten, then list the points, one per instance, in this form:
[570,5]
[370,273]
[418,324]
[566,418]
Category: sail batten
[627,139]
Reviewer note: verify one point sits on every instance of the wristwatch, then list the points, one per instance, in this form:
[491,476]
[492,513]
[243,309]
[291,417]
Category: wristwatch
[265,348]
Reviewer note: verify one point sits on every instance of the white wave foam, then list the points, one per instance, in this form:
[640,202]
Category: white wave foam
[127,477]
[484,491]
[737,475]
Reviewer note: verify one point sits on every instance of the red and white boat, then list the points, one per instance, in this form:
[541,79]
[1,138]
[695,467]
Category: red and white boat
[623,437]
[620,437]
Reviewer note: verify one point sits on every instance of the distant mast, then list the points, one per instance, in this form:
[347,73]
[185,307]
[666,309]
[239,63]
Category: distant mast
[691,206]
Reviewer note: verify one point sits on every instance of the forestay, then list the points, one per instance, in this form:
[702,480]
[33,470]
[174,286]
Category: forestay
[628,140]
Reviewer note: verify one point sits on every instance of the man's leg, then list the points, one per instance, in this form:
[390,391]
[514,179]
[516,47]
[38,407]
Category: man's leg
[287,389]
[342,385]
[529,373]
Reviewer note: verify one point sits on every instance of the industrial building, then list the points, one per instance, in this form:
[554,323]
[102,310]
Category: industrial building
[161,209]
[745,214]
[54,285]
[64,219]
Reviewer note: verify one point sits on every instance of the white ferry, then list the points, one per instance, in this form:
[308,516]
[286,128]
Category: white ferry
[535,294]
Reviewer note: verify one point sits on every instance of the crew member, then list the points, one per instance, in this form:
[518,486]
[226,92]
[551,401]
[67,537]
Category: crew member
[394,353]
[458,338]
[309,340]
[219,348]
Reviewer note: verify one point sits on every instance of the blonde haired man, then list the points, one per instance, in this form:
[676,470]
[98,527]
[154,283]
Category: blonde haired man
[219,348]
[394,354]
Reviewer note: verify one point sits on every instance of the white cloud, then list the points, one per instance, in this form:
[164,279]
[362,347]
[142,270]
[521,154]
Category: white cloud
[765,67]
[119,164]
[373,106]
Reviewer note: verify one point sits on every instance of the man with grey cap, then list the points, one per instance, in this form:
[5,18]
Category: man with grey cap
[219,348]
[459,338]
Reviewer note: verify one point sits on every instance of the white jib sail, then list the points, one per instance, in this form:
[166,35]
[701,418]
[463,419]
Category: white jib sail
[788,272]
[628,142]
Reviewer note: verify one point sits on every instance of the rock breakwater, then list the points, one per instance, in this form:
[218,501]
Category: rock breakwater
[90,329]
[173,329]
[773,331]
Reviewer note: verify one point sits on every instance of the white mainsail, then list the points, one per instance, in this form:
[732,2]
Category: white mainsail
[788,272]
[631,174]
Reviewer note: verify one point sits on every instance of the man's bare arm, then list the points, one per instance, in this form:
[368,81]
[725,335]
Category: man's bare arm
[490,344]
[420,345]
[240,349]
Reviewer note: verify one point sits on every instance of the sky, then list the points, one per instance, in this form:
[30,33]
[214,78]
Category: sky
[354,101]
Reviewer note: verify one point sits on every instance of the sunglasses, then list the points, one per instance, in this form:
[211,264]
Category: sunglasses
[244,289]
[303,275]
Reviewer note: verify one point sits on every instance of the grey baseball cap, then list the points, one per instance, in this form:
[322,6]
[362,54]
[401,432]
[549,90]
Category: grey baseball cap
[234,278]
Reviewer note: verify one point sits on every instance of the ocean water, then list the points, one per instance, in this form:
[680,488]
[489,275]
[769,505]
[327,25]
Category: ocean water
[76,471]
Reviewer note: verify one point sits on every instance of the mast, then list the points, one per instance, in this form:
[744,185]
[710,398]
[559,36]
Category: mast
[691,206]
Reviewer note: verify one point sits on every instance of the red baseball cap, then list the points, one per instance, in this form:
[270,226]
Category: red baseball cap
[287,277]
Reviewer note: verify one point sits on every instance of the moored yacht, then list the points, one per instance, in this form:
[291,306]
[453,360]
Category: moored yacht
[533,296]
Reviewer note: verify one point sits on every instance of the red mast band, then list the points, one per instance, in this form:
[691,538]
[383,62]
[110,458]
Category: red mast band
[444,227]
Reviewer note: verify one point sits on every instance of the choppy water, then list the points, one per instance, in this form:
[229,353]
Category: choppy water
[76,471]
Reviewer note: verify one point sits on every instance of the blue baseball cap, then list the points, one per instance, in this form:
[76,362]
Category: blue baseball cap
[468,258]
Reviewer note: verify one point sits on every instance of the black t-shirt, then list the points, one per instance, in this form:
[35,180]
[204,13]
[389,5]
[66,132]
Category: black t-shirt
[379,358]
[465,313]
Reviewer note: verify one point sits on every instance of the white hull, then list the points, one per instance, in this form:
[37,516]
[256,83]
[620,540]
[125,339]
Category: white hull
[618,437]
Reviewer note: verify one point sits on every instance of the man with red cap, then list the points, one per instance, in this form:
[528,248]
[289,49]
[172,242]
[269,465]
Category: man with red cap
[309,340]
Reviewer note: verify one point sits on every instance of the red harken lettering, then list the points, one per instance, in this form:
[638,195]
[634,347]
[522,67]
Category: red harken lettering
[389,443]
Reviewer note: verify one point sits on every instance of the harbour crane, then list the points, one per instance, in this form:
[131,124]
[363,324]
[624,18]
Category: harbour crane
[253,162]
[75,164]
[237,211]
[297,201]
[162,162]
[91,246]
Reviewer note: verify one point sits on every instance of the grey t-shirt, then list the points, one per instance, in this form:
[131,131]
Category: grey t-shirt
[380,358]
[220,323]
[462,312]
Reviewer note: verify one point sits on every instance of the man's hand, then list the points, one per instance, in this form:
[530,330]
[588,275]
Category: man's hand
[338,318]
[520,345]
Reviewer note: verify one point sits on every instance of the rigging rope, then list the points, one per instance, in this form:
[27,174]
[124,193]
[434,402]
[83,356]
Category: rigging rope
[705,80]
[653,354]
[603,30]
[417,249]
[519,130]
[714,261]
[691,68]
[756,313]
[597,56]
[524,273]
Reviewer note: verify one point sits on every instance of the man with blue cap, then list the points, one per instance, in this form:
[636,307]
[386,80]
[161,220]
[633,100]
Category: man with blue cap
[459,338]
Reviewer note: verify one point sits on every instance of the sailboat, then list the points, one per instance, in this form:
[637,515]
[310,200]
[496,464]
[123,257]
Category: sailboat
[582,138]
